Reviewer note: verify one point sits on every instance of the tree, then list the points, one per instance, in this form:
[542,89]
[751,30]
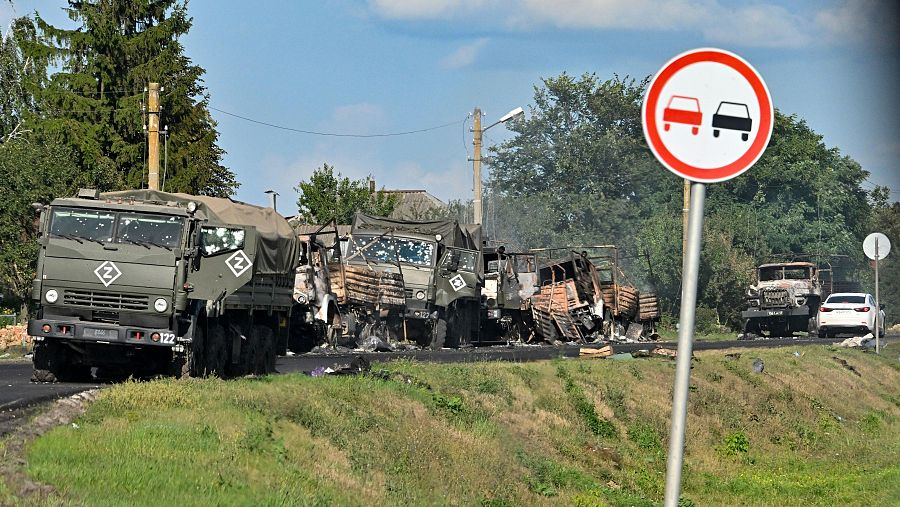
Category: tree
[31,170]
[578,169]
[94,101]
[328,195]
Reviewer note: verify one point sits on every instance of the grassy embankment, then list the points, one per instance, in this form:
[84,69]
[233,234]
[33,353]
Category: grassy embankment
[808,431]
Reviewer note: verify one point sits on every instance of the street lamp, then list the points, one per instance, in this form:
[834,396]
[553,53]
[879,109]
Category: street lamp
[476,159]
[273,198]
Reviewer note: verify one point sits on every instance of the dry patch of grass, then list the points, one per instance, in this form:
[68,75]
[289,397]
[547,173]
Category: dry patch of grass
[807,431]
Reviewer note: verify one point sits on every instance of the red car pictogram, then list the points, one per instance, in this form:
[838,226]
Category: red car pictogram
[684,110]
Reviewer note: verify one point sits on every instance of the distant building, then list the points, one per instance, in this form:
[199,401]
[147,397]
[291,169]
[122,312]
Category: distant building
[416,205]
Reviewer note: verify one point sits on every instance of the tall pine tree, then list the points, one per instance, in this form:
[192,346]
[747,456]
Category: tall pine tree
[92,93]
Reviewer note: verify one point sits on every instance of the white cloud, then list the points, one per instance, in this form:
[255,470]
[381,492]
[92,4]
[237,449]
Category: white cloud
[426,9]
[860,21]
[363,113]
[733,23]
[464,56]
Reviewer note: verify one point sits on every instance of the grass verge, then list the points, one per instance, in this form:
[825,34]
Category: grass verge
[807,431]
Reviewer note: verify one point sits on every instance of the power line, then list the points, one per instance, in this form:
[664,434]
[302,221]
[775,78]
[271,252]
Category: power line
[335,134]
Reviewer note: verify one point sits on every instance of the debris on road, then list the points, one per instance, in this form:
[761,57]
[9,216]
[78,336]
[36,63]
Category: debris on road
[596,353]
[358,365]
[861,342]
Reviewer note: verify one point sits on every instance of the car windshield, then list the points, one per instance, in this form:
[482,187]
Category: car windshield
[390,250]
[156,230]
[846,298]
[75,223]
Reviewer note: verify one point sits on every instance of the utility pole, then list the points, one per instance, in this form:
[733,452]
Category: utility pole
[153,137]
[476,163]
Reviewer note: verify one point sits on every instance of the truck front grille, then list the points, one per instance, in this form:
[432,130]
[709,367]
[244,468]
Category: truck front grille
[775,298]
[106,300]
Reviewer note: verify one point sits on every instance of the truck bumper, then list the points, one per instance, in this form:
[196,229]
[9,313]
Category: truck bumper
[95,332]
[800,311]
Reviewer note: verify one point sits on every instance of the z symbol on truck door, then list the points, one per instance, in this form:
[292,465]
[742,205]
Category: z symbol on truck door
[108,273]
[238,263]
[457,282]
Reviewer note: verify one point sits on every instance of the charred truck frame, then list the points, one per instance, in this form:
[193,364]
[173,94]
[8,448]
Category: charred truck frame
[145,282]
[510,279]
[438,265]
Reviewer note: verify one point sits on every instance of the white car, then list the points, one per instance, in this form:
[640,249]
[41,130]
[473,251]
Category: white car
[849,312]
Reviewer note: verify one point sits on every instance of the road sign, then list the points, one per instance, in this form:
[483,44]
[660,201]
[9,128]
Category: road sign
[883,248]
[708,115]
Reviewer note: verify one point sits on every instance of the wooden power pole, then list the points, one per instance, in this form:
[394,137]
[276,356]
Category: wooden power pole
[476,164]
[153,136]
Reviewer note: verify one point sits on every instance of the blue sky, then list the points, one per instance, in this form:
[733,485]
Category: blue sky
[384,66]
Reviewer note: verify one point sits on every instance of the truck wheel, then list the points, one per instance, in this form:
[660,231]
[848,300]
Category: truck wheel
[42,361]
[262,357]
[438,334]
[216,350]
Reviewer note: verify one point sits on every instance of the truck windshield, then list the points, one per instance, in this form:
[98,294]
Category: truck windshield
[157,230]
[390,250]
[75,223]
[782,273]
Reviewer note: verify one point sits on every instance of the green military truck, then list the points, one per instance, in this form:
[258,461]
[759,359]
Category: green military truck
[439,265]
[145,282]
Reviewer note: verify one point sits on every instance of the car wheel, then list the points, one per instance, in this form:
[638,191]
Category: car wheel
[745,136]
[715,133]
[695,130]
[666,127]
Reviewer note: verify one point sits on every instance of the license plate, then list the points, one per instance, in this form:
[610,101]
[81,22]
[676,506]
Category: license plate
[771,313]
[106,334]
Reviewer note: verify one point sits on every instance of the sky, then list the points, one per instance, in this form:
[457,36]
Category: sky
[392,66]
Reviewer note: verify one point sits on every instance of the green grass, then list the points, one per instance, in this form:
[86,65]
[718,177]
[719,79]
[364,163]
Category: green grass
[563,432]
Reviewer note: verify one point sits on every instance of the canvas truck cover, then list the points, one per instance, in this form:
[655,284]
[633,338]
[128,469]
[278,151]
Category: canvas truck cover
[278,248]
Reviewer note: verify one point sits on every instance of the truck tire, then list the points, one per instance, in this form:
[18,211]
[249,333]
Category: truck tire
[216,349]
[263,356]
[43,363]
[438,333]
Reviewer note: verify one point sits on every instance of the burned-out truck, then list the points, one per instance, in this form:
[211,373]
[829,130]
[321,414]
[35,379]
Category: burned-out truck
[436,265]
[785,299]
[510,279]
[145,282]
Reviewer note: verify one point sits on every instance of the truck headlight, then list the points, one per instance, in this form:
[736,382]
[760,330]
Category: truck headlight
[420,295]
[161,305]
[51,296]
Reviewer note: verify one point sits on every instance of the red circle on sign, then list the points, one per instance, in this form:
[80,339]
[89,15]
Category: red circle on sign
[651,127]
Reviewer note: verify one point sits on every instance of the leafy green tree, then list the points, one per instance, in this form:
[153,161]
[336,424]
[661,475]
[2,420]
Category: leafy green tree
[886,220]
[93,102]
[577,170]
[328,195]
[31,170]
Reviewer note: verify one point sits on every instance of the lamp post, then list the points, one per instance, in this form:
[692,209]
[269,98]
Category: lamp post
[476,158]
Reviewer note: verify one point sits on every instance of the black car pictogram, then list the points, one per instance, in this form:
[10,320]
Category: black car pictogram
[735,116]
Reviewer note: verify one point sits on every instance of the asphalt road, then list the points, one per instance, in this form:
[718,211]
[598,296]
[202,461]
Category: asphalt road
[17,392]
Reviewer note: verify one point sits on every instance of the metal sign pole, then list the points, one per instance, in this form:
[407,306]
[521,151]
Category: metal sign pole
[685,345]
[877,303]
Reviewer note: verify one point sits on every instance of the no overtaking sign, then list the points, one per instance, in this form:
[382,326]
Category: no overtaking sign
[708,115]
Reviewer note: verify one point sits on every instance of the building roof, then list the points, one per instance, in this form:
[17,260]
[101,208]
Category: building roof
[415,205]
